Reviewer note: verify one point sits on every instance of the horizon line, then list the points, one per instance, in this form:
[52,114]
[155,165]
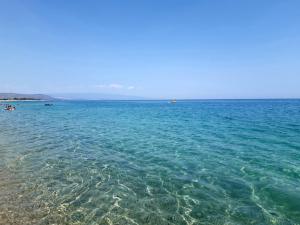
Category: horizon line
[177,99]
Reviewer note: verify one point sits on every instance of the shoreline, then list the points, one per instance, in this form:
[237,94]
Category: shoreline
[22,100]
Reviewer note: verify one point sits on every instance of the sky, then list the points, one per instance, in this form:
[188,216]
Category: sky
[152,49]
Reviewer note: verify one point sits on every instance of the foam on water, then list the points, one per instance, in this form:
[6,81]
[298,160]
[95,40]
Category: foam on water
[194,162]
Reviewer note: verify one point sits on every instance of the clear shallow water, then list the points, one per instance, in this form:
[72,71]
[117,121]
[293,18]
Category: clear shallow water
[204,162]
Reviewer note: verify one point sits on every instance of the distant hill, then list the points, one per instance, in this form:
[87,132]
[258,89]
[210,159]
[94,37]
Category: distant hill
[15,96]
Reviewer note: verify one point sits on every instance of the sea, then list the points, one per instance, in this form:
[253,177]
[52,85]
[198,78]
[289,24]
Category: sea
[150,162]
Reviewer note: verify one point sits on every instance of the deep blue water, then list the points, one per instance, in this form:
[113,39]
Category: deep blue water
[151,162]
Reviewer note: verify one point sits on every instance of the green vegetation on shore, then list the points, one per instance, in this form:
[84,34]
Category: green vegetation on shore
[23,97]
[17,99]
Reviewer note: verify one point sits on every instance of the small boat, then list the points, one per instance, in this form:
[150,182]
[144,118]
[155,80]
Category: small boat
[173,101]
[48,104]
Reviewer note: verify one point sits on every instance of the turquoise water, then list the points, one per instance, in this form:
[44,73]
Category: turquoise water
[151,162]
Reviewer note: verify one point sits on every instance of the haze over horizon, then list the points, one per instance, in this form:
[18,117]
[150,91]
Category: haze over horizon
[151,49]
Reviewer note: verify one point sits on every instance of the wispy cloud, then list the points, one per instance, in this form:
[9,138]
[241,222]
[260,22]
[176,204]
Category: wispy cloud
[130,87]
[113,86]
[116,86]
[99,86]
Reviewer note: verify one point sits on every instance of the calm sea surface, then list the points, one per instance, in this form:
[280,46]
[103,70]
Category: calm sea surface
[151,162]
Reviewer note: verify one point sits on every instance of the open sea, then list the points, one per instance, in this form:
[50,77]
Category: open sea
[151,162]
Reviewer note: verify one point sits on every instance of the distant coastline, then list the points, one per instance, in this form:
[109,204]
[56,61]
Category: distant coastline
[24,97]
[20,100]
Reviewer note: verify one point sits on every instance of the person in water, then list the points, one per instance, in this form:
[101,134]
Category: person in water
[10,108]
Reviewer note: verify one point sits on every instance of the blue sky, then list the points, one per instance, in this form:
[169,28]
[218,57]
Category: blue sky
[156,49]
